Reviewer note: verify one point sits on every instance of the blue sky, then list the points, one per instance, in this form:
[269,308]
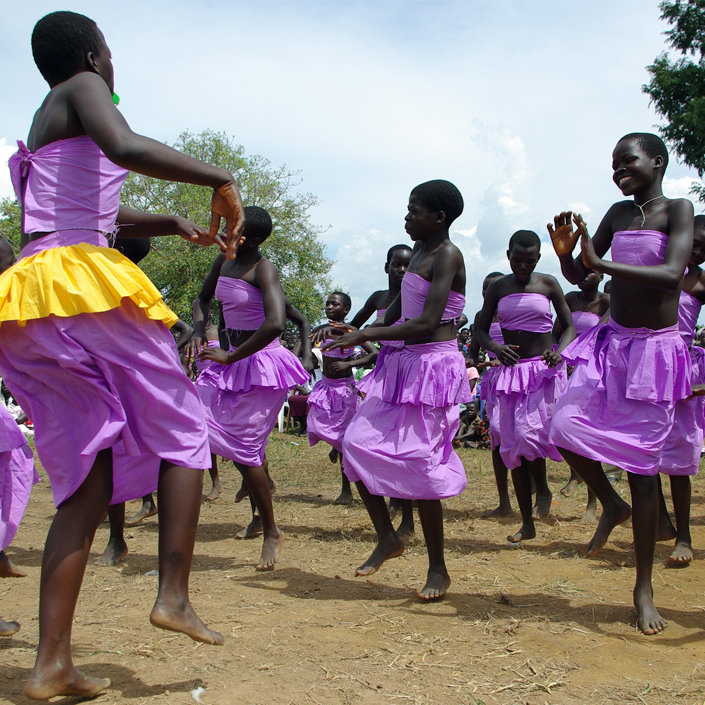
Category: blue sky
[518,103]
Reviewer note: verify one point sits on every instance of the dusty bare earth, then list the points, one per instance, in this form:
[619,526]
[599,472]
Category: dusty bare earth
[538,624]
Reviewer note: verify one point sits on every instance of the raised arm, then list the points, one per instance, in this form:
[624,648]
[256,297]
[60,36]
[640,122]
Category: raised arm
[137,224]
[363,315]
[668,275]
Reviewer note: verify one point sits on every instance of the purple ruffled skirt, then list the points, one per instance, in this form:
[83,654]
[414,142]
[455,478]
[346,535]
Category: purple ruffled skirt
[400,441]
[93,380]
[242,401]
[681,452]
[17,476]
[525,397]
[619,404]
[332,404]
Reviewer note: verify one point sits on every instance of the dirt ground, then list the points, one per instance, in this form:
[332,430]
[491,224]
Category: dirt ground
[535,624]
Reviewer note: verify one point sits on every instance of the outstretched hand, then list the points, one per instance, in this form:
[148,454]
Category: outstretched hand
[562,236]
[198,235]
[350,338]
[227,203]
[214,354]
[590,258]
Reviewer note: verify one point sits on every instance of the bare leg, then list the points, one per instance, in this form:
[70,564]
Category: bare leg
[680,490]
[180,503]
[614,509]
[666,531]
[406,528]
[501,477]
[63,564]
[116,549]
[394,507]
[521,477]
[8,569]
[644,523]
[572,485]
[216,489]
[537,468]
[437,580]
[389,545]
[346,491]
[590,516]
[254,527]
[258,483]
[148,509]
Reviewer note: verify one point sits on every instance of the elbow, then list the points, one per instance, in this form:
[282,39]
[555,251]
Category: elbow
[673,282]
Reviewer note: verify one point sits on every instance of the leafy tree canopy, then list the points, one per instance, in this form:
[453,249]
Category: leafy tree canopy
[677,87]
[178,268]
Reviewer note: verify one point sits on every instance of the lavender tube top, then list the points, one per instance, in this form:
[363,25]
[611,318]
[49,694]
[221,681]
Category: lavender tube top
[496,335]
[67,185]
[688,312]
[584,320]
[643,248]
[242,304]
[414,289]
[526,311]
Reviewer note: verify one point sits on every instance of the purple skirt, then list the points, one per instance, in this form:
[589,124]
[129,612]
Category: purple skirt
[93,380]
[17,476]
[332,404]
[525,396]
[400,441]
[241,401]
[681,452]
[619,404]
[488,394]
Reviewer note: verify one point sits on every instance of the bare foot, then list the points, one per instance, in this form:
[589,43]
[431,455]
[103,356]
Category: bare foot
[608,520]
[527,531]
[146,510]
[8,569]
[570,487]
[501,511]
[649,621]
[252,529]
[114,552]
[8,628]
[590,516]
[345,497]
[270,551]
[185,620]
[406,530]
[682,554]
[437,584]
[382,552]
[243,492]
[69,682]
[215,491]
[543,505]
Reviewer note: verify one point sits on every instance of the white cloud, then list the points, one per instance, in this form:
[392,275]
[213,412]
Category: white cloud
[679,187]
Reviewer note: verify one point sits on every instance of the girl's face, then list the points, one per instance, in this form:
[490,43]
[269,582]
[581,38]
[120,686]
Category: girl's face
[335,308]
[486,285]
[103,63]
[420,221]
[523,261]
[591,281]
[697,256]
[399,264]
[634,170]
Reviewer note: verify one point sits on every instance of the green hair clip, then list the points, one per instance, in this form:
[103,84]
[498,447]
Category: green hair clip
[116,98]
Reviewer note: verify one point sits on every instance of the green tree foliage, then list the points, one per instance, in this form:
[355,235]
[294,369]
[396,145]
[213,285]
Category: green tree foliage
[677,87]
[178,267]
[11,221]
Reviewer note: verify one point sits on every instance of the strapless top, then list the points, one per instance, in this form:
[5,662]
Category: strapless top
[584,320]
[496,335]
[242,304]
[643,248]
[525,311]
[688,312]
[414,289]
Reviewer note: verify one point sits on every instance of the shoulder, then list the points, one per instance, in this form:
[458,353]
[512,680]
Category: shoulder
[550,282]
[265,271]
[449,253]
[82,83]
[571,296]
[378,296]
[680,206]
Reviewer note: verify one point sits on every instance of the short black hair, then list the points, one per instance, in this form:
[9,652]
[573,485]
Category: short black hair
[347,301]
[258,223]
[60,42]
[699,222]
[134,248]
[525,238]
[652,145]
[393,249]
[440,195]
[494,275]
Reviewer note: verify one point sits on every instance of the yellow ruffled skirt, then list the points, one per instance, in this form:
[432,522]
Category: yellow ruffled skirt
[80,278]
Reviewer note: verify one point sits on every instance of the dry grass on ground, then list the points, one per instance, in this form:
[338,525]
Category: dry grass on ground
[536,624]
